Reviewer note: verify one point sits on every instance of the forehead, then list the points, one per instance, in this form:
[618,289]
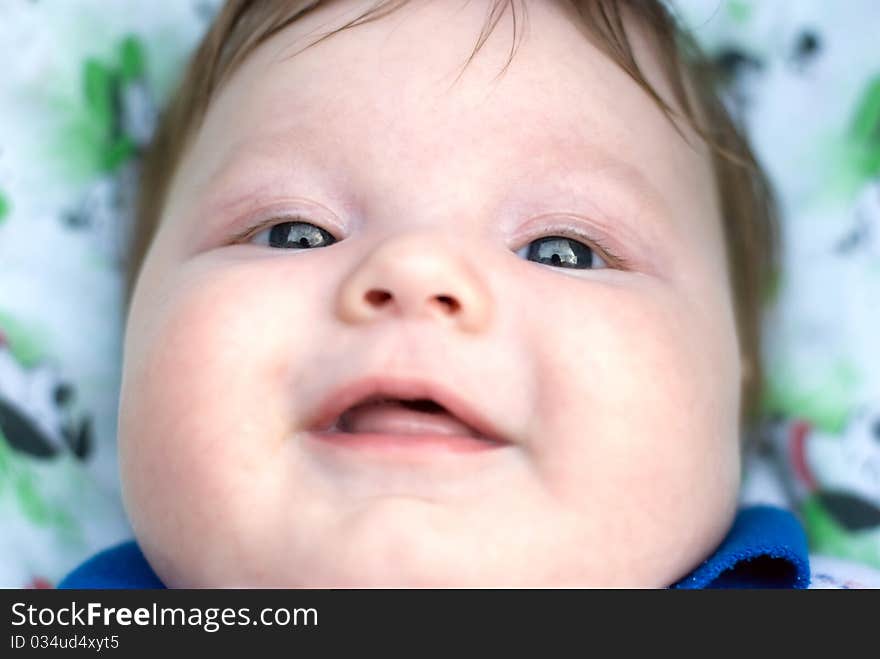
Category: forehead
[385,98]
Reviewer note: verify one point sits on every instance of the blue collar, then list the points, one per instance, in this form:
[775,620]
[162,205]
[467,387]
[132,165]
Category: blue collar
[765,548]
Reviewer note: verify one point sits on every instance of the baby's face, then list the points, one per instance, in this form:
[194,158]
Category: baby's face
[436,241]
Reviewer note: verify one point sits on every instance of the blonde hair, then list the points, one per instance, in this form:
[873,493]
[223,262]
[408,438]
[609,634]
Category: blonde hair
[748,208]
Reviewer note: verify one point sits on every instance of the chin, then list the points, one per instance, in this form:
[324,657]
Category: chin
[391,574]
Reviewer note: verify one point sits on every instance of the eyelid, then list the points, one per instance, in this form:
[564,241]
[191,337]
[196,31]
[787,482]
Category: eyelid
[257,227]
[271,218]
[610,255]
[568,230]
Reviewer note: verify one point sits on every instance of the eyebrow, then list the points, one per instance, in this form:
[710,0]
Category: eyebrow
[591,167]
[219,196]
[631,176]
[589,163]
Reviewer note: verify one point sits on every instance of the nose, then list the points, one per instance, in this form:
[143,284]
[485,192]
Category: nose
[416,275]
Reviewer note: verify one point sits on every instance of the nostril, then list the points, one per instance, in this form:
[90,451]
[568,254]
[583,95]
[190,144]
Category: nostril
[450,302]
[875,430]
[377,297]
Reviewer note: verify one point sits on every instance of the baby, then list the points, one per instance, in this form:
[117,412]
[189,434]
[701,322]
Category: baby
[403,314]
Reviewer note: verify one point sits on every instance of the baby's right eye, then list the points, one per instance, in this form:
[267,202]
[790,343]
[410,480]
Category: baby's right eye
[295,234]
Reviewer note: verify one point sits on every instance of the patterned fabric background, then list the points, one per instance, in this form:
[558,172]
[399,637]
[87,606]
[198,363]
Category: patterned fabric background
[83,82]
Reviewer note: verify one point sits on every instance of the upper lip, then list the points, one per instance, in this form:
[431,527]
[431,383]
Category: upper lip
[361,390]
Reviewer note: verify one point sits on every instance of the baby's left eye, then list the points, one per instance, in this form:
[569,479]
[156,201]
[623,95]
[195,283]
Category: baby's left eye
[293,235]
[563,252]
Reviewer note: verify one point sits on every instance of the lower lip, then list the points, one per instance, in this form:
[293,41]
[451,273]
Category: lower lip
[409,443]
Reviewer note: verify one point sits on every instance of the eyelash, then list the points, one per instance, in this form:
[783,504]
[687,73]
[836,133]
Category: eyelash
[615,260]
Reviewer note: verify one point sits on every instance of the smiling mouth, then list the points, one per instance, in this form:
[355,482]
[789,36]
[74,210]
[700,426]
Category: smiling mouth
[405,425]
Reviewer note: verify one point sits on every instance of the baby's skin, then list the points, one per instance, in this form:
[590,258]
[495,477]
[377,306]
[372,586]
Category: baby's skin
[539,251]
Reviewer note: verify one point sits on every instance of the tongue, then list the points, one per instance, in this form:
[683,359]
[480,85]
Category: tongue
[395,419]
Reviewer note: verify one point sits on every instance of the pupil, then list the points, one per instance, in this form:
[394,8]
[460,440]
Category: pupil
[297,235]
[560,251]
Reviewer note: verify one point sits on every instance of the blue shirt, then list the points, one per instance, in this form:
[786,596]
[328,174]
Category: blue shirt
[765,548]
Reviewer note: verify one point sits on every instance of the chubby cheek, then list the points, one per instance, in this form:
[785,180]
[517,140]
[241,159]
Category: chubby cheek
[204,415]
[640,412]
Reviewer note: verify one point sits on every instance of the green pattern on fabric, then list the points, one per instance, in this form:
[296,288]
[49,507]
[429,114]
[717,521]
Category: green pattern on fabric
[5,207]
[97,83]
[825,536]
[15,474]
[5,467]
[132,59]
[101,84]
[826,406]
[117,153]
[92,139]
[739,11]
[854,157]
[24,342]
[865,132]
